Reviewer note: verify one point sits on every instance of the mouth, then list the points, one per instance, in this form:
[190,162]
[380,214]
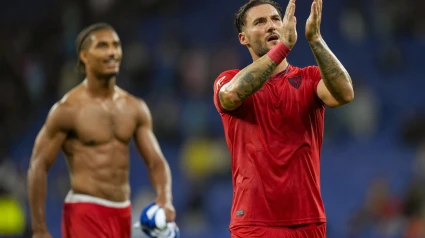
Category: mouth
[111,63]
[272,37]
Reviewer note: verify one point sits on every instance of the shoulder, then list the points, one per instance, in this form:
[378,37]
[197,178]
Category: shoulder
[137,104]
[309,70]
[68,103]
[305,69]
[61,114]
[72,99]
[142,110]
[224,78]
[309,73]
[133,101]
[64,111]
[228,74]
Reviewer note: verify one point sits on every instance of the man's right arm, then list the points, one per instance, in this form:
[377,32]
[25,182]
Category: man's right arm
[246,83]
[46,148]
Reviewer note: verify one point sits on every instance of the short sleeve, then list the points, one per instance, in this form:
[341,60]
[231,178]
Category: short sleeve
[220,81]
[313,74]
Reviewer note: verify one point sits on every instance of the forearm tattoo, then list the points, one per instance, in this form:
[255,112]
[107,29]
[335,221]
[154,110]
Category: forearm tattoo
[251,81]
[333,72]
[247,83]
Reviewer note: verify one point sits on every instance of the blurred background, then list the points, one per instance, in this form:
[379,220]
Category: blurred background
[373,159]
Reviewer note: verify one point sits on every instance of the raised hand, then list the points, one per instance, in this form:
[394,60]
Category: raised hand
[289,36]
[312,27]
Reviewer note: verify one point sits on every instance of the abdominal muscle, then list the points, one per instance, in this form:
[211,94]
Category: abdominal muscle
[99,170]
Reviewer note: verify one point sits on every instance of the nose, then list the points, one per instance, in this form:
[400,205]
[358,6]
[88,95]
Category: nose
[271,27]
[112,52]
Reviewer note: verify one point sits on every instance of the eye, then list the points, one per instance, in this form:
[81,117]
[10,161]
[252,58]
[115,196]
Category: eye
[117,44]
[276,18]
[262,21]
[102,45]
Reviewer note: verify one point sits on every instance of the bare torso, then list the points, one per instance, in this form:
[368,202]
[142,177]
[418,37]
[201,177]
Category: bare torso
[97,144]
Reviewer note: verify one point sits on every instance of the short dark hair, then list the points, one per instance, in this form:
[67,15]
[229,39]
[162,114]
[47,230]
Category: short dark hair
[240,16]
[83,41]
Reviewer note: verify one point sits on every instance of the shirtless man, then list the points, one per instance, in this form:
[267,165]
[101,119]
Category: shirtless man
[94,124]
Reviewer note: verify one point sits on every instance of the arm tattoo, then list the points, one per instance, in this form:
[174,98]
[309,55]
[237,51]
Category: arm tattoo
[251,81]
[248,81]
[335,77]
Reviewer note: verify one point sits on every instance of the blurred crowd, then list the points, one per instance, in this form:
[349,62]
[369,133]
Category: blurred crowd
[173,50]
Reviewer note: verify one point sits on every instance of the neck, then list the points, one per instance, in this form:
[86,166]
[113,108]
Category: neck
[281,67]
[100,86]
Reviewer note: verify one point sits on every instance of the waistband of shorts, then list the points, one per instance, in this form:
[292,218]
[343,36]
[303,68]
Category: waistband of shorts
[72,197]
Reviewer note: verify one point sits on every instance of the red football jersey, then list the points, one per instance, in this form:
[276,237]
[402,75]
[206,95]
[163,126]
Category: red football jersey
[275,138]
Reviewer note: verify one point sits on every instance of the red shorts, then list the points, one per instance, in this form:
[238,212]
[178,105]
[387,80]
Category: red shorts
[309,231]
[85,216]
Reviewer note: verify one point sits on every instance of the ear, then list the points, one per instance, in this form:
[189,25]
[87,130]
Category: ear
[243,39]
[83,56]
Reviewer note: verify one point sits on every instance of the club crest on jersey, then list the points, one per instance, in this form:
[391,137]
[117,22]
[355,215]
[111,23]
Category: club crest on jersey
[295,82]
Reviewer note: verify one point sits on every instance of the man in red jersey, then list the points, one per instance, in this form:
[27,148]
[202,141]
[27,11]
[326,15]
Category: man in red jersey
[273,115]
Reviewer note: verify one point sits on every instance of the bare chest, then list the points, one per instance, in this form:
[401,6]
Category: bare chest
[100,123]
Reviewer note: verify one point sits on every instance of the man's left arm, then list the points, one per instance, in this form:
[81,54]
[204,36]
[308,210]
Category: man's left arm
[335,89]
[158,168]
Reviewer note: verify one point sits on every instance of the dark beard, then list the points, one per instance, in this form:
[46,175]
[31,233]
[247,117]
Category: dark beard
[107,76]
[260,50]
